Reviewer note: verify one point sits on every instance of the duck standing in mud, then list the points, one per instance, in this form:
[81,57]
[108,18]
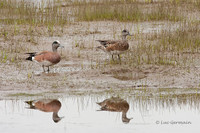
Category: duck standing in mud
[46,58]
[115,47]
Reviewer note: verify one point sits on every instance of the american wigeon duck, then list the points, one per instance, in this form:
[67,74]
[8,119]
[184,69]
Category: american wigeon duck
[115,47]
[116,104]
[46,58]
[47,105]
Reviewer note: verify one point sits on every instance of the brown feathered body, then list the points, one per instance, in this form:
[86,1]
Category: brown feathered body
[46,58]
[47,105]
[116,104]
[114,47]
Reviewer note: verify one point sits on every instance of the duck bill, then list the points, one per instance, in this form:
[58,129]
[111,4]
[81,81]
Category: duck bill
[61,46]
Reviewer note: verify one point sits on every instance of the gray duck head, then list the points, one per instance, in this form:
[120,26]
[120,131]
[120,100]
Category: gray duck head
[55,45]
[125,33]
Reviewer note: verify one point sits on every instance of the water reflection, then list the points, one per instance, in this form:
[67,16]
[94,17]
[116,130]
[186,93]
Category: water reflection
[116,104]
[47,105]
[149,106]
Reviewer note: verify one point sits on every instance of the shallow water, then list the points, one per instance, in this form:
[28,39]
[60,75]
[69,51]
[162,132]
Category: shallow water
[179,113]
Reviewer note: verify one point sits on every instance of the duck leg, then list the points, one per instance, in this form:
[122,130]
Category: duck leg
[119,57]
[112,57]
[43,68]
[48,69]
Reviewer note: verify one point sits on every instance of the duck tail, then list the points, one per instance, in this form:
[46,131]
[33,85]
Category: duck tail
[99,103]
[102,42]
[29,58]
[31,55]
[102,48]
[31,104]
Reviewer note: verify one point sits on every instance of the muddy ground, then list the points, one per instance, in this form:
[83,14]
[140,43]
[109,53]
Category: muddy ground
[83,67]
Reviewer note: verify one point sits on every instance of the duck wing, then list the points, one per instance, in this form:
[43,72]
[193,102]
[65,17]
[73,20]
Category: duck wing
[32,54]
[107,43]
[30,103]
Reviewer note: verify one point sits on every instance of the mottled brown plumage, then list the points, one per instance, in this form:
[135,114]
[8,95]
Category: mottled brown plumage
[116,104]
[115,47]
[118,46]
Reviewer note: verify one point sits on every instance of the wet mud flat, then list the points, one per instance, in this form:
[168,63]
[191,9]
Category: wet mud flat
[83,66]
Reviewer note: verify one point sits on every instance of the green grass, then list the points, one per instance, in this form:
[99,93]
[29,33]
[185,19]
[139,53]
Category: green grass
[161,48]
[131,11]
[54,13]
[51,13]
[24,95]
[14,12]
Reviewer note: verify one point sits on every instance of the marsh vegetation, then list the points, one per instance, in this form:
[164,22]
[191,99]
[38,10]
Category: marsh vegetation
[51,18]
[158,76]
[164,48]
